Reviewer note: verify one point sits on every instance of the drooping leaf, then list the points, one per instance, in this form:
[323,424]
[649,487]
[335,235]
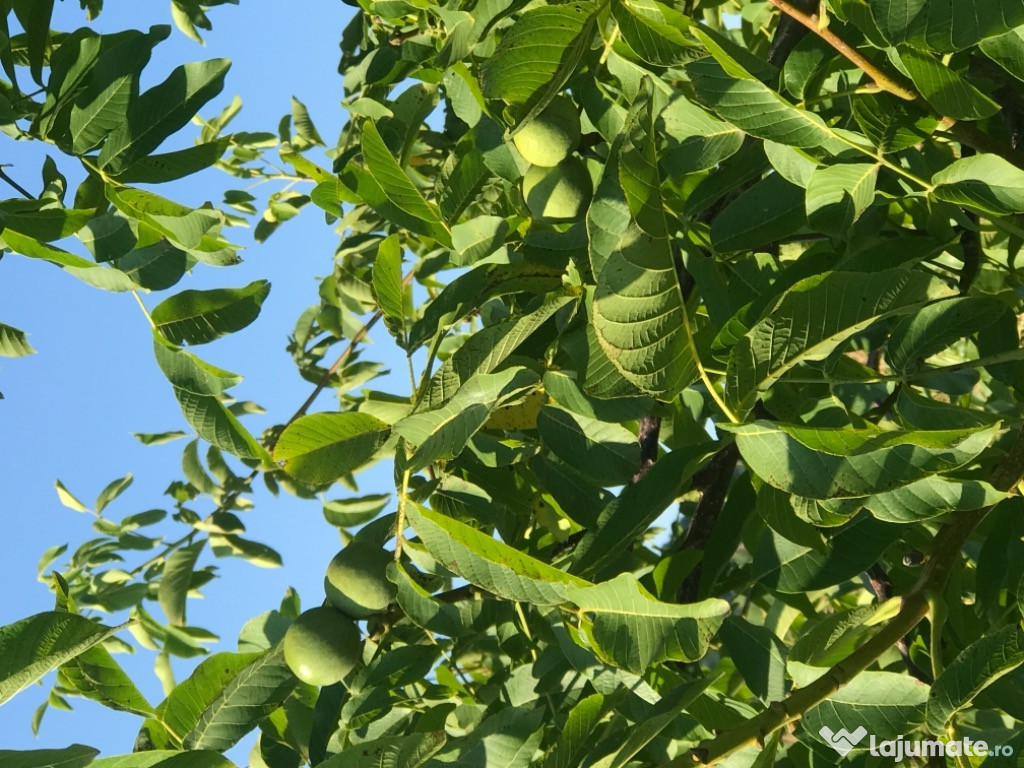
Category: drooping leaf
[986,183]
[14,342]
[630,629]
[31,647]
[322,447]
[161,111]
[816,316]
[825,463]
[491,564]
[944,27]
[975,668]
[75,756]
[539,53]
[638,316]
[176,581]
[410,751]
[197,317]
[226,697]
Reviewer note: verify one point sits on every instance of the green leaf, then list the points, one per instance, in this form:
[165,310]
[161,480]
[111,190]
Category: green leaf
[936,326]
[176,581]
[397,187]
[34,17]
[161,111]
[75,756]
[891,125]
[68,499]
[472,289]
[112,491]
[13,342]
[489,563]
[986,183]
[759,656]
[770,210]
[630,629]
[920,500]
[1007,51]
[825,463]
[112,84]
[944,27]
[792,568]
[755,108]
[609,454]
[638,316]
[886,704]
[814,317]
[406,751]
[226,697]
[478,238]
[422,609]
[161,758]
[509,738]
[580,726]
[837,195]
[946,91]
[31,647]
[655,31]
[186,371]
[665,712]
[975,668]
[487,349]
[171,166]
[387,278]
[97,676]
[443,432]
[47,224]
[348,513]
[213,422]
[230,545]
[322,447]
[303,124]
[539,53]
[97,275]
[698,141]
[197,317]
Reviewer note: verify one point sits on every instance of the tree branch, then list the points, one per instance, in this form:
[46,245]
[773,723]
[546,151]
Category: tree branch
[812,22]
[713,481]
[944,557]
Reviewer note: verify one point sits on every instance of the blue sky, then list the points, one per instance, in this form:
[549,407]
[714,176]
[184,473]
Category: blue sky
[71,409]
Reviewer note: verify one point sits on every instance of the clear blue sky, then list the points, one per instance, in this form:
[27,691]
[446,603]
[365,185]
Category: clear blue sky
[71,409]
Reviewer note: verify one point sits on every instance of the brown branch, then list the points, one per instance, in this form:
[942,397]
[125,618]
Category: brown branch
[882,587]
[944,557]
[788,33]
[713,481]
[650,427]
[357,338]
[812,22]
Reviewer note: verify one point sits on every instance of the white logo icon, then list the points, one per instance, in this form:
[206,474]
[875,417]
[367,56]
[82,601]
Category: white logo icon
[843,742]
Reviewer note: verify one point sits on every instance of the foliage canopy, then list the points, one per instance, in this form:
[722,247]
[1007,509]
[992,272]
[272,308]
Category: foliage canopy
[719,455]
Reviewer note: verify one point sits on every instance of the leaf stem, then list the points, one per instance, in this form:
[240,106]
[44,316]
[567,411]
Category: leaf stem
[729,414]
[145,311]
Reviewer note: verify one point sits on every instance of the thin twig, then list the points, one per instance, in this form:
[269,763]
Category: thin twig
[21,190]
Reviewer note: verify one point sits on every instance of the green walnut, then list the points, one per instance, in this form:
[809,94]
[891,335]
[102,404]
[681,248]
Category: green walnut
[356,583]
[561,193]
[322,646]
[552,135]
